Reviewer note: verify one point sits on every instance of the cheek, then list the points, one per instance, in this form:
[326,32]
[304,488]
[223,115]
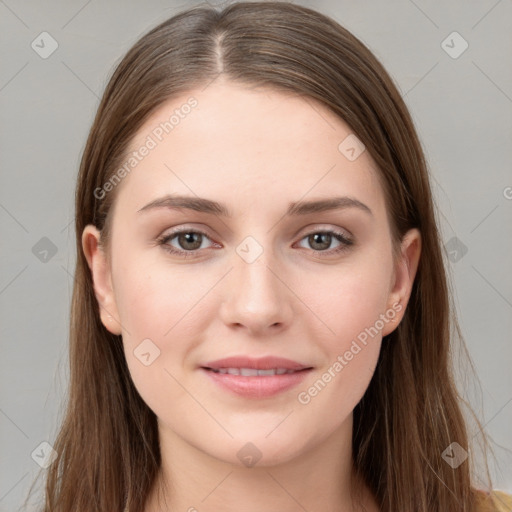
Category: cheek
[350,298]
[350,356]
[331,395]
[162,311]
[352,303]
[150,308]
[156,300]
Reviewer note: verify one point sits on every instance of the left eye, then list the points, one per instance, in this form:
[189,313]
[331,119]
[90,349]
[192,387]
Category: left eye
[323,239]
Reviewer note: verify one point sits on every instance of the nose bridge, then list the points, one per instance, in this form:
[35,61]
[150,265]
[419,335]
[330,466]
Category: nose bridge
[255,296]
[255,281]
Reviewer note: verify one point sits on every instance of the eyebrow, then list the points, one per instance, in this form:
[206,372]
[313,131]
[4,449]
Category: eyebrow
[203,205]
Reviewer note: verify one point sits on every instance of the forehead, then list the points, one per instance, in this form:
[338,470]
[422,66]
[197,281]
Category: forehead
[242,146]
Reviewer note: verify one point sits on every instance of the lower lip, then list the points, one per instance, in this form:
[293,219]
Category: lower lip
[257,387]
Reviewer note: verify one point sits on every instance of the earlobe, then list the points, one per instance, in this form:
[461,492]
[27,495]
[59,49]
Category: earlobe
[404,275]
[102,279]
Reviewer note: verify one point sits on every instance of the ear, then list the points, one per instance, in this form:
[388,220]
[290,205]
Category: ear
[100,270]
[403,278]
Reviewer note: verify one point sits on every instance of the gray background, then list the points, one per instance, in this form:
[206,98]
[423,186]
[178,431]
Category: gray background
[462,109]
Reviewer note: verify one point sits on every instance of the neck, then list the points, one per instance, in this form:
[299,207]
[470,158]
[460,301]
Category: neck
[319,479]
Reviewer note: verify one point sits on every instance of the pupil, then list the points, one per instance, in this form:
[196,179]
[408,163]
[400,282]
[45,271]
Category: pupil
[188,238]
[324,245]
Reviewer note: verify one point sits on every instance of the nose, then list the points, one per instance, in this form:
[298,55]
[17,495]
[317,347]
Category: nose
[257,298]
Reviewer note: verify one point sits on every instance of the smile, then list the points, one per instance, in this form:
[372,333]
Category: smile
[252,372]
[252,383]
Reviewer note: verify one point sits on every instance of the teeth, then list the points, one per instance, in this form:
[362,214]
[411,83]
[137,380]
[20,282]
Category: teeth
[252,372]
[248,372]
[267,372]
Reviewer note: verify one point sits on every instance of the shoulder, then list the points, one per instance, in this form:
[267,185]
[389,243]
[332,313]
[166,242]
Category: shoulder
[495,501]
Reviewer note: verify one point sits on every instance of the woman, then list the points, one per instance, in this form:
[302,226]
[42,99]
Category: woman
[260,316]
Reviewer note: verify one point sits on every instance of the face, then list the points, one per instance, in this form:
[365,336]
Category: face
[269,277]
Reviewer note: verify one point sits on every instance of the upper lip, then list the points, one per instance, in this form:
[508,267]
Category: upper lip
[263,363]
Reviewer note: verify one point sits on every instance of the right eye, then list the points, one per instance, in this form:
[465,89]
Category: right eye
[190,240]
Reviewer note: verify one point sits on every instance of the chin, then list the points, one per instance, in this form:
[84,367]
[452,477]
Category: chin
[260,451]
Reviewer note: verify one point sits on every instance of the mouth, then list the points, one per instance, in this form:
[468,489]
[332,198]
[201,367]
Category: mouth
[254,372]
[255,378]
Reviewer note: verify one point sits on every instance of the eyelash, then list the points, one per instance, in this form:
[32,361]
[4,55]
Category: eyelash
[345,242]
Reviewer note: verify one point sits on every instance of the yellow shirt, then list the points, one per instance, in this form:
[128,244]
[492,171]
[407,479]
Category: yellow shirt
[498,501]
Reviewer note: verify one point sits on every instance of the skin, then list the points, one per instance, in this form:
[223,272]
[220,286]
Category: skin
[254,150]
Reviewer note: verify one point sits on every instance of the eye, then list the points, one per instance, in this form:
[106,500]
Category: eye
[320,241]
[189,241]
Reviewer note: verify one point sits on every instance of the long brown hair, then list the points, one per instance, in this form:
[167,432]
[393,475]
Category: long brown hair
[411,411]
